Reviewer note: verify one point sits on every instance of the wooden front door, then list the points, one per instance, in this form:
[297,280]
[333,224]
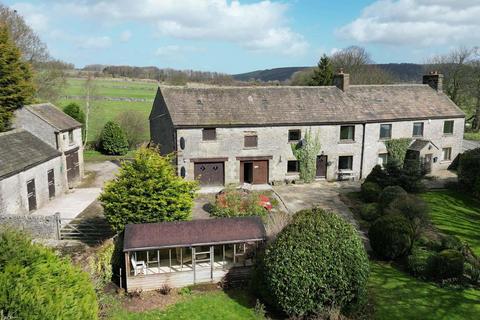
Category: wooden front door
[73,166]
[209,173]
[427,163]
[322,166]
[202,263]
[31,195]
[260,172]
[51,183]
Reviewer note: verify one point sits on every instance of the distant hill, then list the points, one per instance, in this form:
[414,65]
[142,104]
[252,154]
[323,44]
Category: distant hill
[276,74]
[404,72]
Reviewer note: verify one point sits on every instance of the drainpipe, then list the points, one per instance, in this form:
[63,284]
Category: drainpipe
[363,151]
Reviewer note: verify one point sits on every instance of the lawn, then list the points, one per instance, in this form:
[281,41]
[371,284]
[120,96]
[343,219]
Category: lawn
[102,111]
[457,214]
[397,295]
[92,155]
[209,305]
[472,136]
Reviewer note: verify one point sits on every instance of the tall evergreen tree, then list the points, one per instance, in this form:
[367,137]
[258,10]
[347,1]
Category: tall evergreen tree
[323,73]
[16,87]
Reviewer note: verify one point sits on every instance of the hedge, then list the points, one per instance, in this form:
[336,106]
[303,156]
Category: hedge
[37,284]
[391,236]
[469,171]
[317,262]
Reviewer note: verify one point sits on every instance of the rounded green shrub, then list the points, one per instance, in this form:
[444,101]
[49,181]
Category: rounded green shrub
[389,194]
[370,191]
[113,140]
[417,262]
[316,262]
[469,171]
[75,111]
[391,236]
[37,284]
[451,242]
[370,212]
[446,264]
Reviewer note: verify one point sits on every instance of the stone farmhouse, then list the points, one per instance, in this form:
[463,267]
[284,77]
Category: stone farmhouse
[236,135]
[31,173]
[58,130]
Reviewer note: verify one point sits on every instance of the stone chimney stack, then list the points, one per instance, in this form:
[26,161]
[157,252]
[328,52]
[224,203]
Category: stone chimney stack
[434,80]
[341,80]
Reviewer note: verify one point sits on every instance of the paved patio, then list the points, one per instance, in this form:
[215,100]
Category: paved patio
[71,204]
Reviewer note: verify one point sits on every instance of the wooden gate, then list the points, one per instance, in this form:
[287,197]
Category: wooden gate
[88,230]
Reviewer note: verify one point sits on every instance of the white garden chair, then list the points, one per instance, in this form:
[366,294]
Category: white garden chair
[138,266]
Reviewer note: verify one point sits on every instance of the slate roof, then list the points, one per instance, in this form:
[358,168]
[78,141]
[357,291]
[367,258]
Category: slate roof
[189,233]
[257,106]
[54,116]
[419,144]
[21,150]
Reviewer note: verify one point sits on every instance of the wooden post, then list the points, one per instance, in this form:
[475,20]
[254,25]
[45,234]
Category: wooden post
[181,258]
[127,269]
[170,258]
[193,264]
[212,260]
[120,278]
[58,222]
[158,259]
[234,252]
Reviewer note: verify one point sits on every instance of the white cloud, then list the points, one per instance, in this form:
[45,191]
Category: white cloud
[416,22]
[175,50]
[254,26]
[125,36]
[95,43]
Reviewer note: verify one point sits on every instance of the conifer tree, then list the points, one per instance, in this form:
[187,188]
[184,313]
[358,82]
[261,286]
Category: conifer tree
[323,73]
[16,87]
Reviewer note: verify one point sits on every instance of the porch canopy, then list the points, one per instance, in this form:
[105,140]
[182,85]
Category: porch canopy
[148,236]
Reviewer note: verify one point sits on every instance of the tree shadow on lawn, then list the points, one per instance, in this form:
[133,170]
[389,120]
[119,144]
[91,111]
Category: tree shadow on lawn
[400,296]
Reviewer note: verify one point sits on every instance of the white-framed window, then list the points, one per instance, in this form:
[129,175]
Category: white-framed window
[293,166]
[417,129]
[447,154]
[382,159]
[448,127]
[345,163]
[385,131]
[347,133]
[70,137]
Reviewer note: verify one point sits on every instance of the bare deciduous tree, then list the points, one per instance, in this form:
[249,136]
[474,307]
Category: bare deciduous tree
[90,87]
[135,127]
[49,74]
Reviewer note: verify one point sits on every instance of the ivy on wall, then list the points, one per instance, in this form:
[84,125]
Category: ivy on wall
[306,153]
[397,149]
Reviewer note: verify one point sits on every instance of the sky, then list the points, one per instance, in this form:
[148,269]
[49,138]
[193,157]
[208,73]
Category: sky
[241,36]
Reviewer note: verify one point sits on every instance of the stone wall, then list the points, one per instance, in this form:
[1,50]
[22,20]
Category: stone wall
[273,141]
[13,190]
[40,227]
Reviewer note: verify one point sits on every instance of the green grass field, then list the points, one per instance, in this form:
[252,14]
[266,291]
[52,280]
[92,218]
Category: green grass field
[102,111]
[456,214]
[396,295]
[215,305]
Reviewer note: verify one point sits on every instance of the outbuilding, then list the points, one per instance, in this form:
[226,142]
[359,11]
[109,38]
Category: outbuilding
[183,253]
[31,172]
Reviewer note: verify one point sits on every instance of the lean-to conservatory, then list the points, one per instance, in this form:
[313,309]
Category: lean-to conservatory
[183,253]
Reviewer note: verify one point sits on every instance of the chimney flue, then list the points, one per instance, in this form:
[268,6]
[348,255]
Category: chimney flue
[341,80]
[435,80]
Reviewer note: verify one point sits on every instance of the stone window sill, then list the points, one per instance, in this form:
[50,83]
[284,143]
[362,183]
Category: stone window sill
[346,141]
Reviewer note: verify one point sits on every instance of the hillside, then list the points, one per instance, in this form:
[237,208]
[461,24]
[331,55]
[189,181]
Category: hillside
[404,72]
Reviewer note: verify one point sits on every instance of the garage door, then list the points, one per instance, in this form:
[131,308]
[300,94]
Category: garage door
[209,173]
